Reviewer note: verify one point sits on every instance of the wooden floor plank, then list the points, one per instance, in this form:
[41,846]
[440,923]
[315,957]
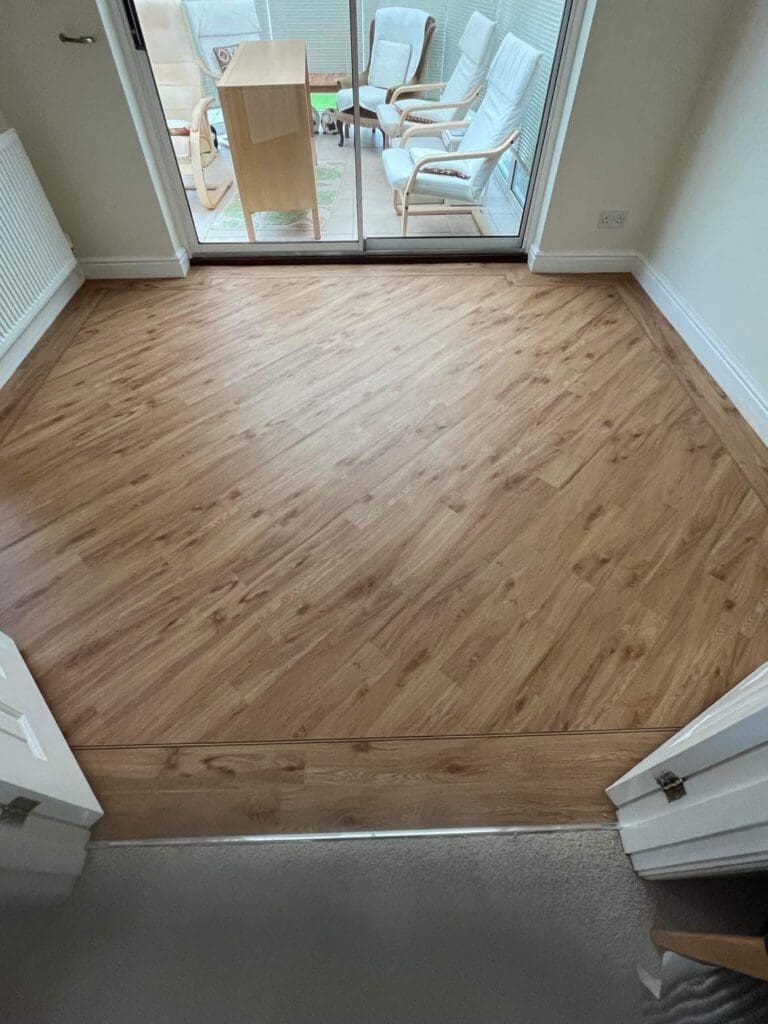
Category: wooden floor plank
[733,430]
[41,361]
[515,508]
[150,792]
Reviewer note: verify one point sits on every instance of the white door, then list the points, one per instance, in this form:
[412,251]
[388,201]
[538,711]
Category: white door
[46,805]
[699,804]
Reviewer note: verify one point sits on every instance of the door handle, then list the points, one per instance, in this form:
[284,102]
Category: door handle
[85,40]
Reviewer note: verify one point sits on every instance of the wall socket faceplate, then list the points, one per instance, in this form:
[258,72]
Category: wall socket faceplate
[612,218]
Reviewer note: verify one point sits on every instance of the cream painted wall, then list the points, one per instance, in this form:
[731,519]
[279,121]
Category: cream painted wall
[709,236]
[641,69]
[68,106]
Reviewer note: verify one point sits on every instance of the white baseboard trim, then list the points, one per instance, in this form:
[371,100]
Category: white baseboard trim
[145,267]
[595,261]
[711,352]
[12,358]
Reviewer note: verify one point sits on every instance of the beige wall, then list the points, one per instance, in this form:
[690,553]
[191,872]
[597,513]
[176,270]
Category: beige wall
[709,236]
[68,106]
[641,69]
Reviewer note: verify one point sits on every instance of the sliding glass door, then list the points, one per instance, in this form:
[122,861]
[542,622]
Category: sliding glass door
[293,127]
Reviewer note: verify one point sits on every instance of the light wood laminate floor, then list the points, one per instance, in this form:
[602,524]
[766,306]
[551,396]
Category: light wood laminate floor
[300,549]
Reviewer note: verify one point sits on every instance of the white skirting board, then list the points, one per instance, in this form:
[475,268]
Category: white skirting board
[12,358]
[598,261]
[145,267]
[711,352]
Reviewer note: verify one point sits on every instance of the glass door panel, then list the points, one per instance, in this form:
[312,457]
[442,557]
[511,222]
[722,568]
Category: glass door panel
[254,143]
[485,218]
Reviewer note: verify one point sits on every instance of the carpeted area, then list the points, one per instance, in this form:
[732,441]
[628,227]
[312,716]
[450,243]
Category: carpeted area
[525,928]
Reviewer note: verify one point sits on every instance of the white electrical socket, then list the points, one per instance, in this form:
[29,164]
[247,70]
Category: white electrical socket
[612,218]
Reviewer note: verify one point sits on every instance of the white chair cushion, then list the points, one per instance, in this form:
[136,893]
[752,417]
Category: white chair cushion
[389,114]
[403,25]
[476,41]
[476,45]
[510,80]
[370,98]
[389,64]
[398,164]
[216,23]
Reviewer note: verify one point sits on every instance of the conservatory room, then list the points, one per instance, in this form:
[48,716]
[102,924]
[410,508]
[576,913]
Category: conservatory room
[350,122]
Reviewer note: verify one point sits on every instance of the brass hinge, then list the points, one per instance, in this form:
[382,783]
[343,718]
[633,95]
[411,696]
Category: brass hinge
[16,812]
[671,785]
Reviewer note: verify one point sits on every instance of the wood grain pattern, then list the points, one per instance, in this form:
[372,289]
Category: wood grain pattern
[227,789]
[743,953]
[292,515]
[264,96]
[723,416]
[43,357]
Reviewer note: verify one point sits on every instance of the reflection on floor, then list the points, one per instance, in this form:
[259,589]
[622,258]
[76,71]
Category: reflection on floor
[336,195]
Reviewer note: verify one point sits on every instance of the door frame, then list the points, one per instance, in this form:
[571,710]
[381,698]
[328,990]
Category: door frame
[139,85]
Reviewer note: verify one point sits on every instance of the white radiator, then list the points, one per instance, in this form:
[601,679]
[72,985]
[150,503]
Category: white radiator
[35,256]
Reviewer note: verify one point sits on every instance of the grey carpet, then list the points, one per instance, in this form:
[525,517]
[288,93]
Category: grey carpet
[536,929]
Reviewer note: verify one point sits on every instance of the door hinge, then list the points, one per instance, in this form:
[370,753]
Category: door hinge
[16,812]
[671,785]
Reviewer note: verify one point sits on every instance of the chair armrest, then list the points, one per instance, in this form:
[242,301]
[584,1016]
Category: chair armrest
[417,87]
[199,113]
[432,129]
[478,154]
[425,108]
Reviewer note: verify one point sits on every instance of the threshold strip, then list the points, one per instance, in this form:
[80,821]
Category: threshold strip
[314,837]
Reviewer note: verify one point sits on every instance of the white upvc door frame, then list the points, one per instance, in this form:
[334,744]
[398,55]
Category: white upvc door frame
[139,85]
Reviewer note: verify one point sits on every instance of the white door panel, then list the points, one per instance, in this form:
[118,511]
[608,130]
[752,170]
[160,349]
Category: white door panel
[699,804]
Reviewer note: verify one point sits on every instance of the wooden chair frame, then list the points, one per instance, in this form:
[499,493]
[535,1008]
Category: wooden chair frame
[442,209]
[200,130]
[460,107]
[202,150]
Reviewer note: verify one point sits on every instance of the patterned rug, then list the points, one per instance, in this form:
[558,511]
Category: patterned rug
[229,224]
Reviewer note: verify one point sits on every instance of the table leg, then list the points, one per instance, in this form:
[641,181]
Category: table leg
[341,134]
[249,226]
[316,222]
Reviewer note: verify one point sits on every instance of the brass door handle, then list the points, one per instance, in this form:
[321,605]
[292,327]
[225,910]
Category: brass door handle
[85,40]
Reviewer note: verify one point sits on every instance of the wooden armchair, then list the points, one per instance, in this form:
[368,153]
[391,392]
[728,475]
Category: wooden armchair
[458,181]
[179,74]
[409,105]
[409,31]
